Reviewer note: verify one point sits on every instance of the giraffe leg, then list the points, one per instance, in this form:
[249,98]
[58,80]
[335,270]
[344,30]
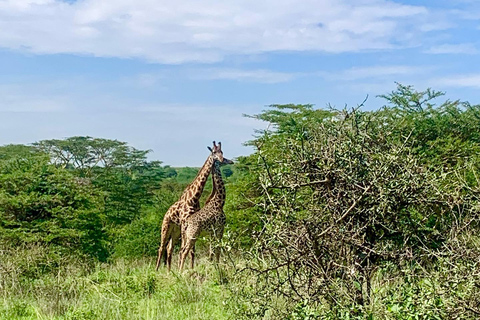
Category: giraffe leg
[190,243]
[159,258]
[192,257]
[166,232]
[168,256]
[218,248]
[175,235]
[184,240]
[210,252]
[217,254]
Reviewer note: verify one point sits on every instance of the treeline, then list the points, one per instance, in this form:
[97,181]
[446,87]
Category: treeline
[73,194]
[85,195]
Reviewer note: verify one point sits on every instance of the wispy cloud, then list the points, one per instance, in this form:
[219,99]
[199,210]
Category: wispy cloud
[14,99]
[463,48]
[465,80]
[268,76]
[259,76]
[206,31]
[375,72]
[145,80]
[272,77]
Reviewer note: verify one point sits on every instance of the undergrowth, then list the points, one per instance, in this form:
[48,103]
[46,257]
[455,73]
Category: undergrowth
[37,284]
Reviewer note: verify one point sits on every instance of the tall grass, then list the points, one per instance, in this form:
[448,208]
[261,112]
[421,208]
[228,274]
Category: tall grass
[38,284]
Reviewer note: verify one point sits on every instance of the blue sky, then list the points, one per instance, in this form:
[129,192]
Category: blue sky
[172,77]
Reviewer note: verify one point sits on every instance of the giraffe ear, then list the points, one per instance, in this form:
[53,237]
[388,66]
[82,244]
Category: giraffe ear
[210,149]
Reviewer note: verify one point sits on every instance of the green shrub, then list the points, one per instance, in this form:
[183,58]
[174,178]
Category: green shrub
[40,203]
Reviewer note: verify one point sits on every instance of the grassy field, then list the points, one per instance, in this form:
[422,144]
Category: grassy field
[39,284]
[33,286]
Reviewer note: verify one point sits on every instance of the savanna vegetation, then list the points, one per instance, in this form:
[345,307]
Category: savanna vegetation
[338,214]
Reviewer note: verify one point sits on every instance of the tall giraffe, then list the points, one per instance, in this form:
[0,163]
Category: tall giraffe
[185,206]
[210,219]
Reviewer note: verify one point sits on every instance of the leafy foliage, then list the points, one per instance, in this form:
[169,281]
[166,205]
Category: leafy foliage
[76,192]
[141,237]
[345,194]
[40,203]
[122,172]
[87,153]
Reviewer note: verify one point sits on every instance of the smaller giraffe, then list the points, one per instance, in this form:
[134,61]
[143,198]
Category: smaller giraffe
[210,219]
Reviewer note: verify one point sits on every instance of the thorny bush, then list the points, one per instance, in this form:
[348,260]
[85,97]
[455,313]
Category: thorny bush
[351,204]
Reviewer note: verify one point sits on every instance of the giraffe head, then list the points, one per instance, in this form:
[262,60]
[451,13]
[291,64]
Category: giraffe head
[217,154]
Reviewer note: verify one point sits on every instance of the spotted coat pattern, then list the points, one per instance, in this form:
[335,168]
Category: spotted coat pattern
[210,219]
[188,203]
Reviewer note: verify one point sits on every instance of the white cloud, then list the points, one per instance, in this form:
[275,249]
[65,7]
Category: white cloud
[470,10]
[464,48]
[14,99]
[260,76]
[158,80]
[466,80]
[375,72]
[146,81]
[204,31]
[268,76]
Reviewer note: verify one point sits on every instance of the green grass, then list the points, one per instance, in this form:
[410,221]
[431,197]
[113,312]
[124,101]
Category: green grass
[40,283]
[118,290]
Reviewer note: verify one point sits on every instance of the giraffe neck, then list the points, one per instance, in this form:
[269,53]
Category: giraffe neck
[218,192]
[193,192]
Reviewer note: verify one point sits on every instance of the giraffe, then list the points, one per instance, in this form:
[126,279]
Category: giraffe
[185,206]
[210,219]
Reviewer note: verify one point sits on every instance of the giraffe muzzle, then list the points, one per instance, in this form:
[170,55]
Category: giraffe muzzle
[227,161]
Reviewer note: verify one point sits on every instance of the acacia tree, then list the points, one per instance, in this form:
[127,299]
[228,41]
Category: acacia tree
[87,153]
[122,172]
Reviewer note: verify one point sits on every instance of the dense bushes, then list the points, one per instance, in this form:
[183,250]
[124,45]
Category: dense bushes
[76,194]
[356,203]
[40,203]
